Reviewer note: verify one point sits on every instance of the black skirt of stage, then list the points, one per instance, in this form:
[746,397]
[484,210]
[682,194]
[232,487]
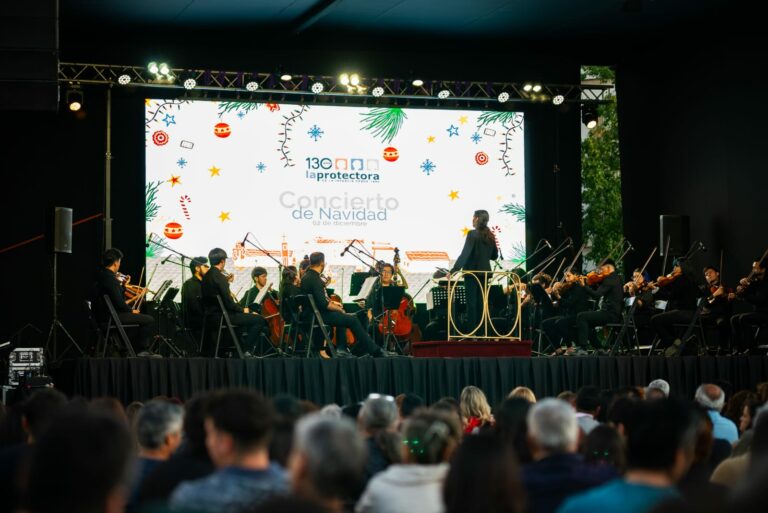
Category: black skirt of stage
[348,380]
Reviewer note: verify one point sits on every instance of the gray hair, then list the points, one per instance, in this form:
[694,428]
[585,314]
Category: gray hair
[334,451]
[552,424]
[660,385]
[710,396]
[331,410]
[156,420]
[378,413]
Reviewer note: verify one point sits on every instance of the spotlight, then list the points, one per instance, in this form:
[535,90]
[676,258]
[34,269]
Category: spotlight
[589,116]
[378,91]
[503,97]
[124,79]
[152,68]
[354,79]
[190,83]
[344,79]
[164,69]
[74,99]
[317,87]
[285,77]
[527,87]
[443,94]
[558,99]
[537,88]
[252,86]
[418,82]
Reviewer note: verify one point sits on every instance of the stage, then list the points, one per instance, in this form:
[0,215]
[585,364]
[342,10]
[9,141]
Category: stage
[348,380]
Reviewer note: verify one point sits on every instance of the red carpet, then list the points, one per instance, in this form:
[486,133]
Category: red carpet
[472,348]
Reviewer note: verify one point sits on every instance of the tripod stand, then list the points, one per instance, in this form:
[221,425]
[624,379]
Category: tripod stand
[52,343]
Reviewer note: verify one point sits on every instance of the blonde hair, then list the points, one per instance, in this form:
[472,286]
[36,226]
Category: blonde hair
[473,403]
[523,393]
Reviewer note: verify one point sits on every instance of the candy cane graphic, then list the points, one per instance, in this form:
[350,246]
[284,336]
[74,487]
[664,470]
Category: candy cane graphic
[184,200]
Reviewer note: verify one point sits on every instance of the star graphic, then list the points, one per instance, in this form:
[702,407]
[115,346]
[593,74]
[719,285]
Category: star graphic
[224,216]
[214,171]
[147,102]
[169,120]
[454,195]
[452,130]
[463,119]
[464,231]
[431,139]
[175,180]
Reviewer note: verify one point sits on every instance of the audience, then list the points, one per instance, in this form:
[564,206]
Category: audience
[557,471]
[512,426]
[569,397]
[377,421]
[475,410]
[409,403]
[587,408]
[605,446]
[731,472]
[524,393]
[657,389]
[238,426]
[712,398]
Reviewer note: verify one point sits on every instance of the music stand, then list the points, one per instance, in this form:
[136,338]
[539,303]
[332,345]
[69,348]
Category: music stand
[390,300]
[542,302]
[167,308]
[356,282]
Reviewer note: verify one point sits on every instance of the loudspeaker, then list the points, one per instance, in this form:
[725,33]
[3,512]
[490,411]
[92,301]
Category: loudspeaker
[677,228]
[59,230]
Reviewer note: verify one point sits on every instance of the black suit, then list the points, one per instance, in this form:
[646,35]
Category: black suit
[681,295]
[192,303]
[744,324]
[611,290]
[476,256]
[107,284]
[215,284]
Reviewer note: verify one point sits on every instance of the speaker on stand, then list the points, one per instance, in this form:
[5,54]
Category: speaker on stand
[675,231]
[59,240]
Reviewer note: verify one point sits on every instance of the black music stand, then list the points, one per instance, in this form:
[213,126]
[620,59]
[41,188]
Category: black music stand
[356,282]
[543,304]
[167,308]
[390,300]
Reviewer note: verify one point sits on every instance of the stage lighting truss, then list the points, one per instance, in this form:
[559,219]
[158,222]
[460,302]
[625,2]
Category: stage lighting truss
[228,84]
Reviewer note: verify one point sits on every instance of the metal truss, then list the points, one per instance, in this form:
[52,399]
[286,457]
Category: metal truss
[301,85]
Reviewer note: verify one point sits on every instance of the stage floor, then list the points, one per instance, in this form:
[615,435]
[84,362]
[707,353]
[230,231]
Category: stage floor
[348,380]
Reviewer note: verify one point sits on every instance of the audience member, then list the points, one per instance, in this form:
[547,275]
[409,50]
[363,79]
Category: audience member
[734,407]
[748,412]
[558,471]
[512,426]
[111,406]
[524,393]
[587,408]
[377,421]
[657,389]
[605,446]
[712,398]
[569,397]
[429,439]
[475,410]
[238,426]
[409,404]
[733,471]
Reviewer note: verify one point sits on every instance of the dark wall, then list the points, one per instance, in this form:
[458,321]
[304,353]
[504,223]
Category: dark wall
[693,130]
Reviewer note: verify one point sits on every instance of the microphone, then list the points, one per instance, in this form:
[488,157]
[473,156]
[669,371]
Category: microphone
[166,259]
[702,246]
[344,251]
[547,243]
[631,247]
[245,238]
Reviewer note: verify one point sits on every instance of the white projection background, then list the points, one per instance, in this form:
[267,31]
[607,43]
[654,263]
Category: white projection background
[306,178]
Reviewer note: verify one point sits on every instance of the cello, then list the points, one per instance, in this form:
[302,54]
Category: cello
[400,322]
[270,310]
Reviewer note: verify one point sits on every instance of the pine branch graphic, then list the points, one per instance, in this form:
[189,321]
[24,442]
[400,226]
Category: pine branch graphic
[384,122]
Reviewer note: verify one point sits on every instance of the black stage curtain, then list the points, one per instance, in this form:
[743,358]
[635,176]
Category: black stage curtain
[346,381]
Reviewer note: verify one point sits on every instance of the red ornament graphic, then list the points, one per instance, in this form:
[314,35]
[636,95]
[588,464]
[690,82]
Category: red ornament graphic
[273,107]
[481,158]
[391,154]
[173,230]
[222,130]
[160,138]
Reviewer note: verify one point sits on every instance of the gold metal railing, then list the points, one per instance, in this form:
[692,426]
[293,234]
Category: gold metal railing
[486,329]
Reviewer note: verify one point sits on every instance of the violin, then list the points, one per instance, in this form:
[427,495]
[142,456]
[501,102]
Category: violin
[663,281]
[595,277]
[132,293]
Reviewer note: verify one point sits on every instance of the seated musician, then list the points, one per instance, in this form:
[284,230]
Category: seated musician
[572,299]
[755,292]
[290,286]
[333,313]
[681,293]
[717,311]
[611,291]
[108,283]
[373,307]
[216,284]
[192,294]
[644,304]
[259,277]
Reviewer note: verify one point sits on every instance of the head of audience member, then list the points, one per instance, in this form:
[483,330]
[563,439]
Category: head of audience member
[158,429]
[483,477]
[605,446]
[710,397]
[286,405]
[352,411]
[111,406]
[734,407]
[552,429]
[524,393]
[409,404]
[762,391]
[569,397]
[193,441]
[748,414]
[705,437]
[474,405]
[378,413]
[620,413]
[327,461]
[657,389]
[331,410]
[446,403]
[82,463]
[238,427]
[429,437]
[512,426]
[217,257]
[661,439]
[38,410]
[199,266]
[588,400]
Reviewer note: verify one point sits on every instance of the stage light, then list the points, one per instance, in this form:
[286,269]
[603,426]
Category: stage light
[252,86]
[124,79]
[285,77]
[164,69]
[589,116]
[537,88]
[74,99]
[558,99]
[378,91]
[443,94]
[354,79]
[503,97]
[190,83]
[153,68]
[344,79]
[317,87]
[527,87]
[418,82]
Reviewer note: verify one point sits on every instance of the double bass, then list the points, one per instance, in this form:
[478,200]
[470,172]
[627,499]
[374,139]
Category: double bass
[400,322]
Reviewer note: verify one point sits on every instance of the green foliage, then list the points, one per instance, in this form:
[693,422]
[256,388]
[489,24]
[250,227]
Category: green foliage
[602,226]
[150,203]
[518,252]
[226,107]
[603,73]
[384,122]
[153,250]
[514,209]
[494,116]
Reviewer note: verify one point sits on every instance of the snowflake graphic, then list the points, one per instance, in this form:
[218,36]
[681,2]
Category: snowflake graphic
[260,167]
[181,162]
[476,138]
[452,130]
[240,114]
[169,120]
[428,167]
[315,132]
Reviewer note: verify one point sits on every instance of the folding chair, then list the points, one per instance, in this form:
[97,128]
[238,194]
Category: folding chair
[661,306]
[312,319]
[114,319]
[624,328]
[694,325]
[214,308]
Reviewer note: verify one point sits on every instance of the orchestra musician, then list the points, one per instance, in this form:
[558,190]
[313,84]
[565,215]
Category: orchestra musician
[680,291]
[644,304]
[333,313]
[572,299]
[753,290]
[108,283]
[215,283]
[192,295]
[611,291]
[717,310]
[259,277]
[479,249]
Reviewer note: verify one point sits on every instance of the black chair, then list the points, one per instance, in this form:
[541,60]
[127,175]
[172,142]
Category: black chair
[114,320]
[95,328]
[216,312]
[311,319]
[624,331]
